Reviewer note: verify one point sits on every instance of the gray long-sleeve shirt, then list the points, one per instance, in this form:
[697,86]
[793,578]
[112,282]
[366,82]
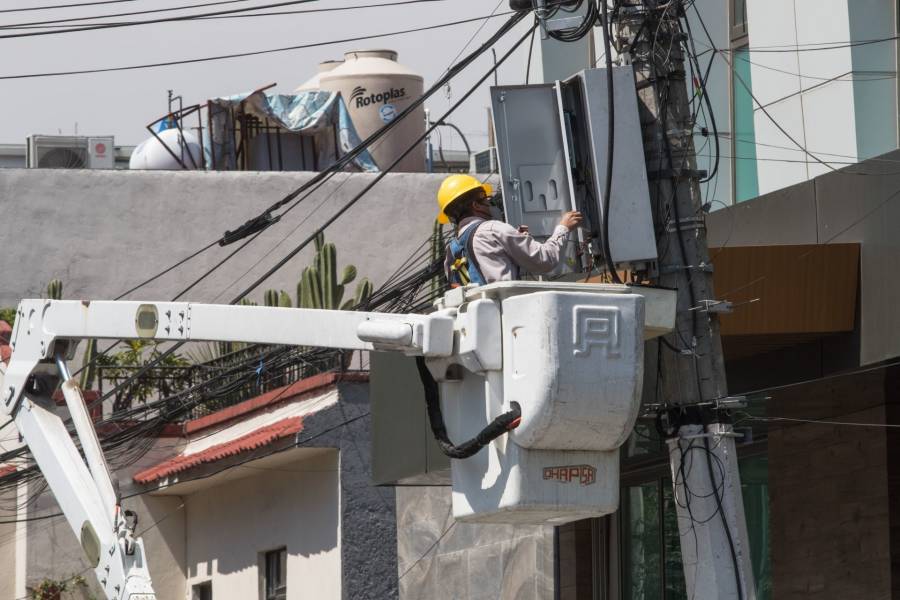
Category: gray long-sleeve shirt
[501,250]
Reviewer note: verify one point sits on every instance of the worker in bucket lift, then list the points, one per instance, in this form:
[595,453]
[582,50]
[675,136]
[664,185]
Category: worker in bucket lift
[485,250]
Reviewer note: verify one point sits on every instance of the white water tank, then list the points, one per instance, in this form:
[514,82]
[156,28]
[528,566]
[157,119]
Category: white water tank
[376,88]
[151,154]
[312,84]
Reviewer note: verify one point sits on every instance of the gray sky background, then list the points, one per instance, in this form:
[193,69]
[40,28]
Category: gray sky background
[122,103]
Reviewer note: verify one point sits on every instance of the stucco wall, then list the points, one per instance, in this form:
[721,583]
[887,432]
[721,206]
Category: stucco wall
[102,232]
[229,525]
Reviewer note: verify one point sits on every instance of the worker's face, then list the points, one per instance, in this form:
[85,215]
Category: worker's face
[482,207]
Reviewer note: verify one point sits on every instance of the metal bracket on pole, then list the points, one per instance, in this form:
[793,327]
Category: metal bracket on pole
[704,267]
[722,307]
[676,174]
[686,224]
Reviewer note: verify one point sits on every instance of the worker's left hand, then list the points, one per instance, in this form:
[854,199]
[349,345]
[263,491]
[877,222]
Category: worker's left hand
[571,219]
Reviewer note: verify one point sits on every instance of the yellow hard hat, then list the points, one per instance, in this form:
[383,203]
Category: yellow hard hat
[452,188]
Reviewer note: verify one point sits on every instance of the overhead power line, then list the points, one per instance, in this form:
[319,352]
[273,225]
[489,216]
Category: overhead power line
[55,6]
[245,54]
[54,24]
[152,21]
[407,291]
[818,47]
[316,182]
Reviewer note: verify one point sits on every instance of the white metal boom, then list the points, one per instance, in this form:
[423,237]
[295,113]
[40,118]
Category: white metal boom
[578,337]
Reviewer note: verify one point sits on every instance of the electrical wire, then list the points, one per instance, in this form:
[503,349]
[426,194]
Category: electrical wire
[702,78]
[168,269]
[57,6]
[573,34]
[318,180]
[661,81]
[378,177]
[245,54]
[97,26]
[123,14]
[202,17]
[528,63]
[610,141]
[429,273]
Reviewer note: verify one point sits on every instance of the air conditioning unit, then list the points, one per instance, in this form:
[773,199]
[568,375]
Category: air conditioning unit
[70,152]
[484,161]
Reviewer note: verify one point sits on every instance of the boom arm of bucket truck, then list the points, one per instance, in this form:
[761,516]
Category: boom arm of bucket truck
[569,354]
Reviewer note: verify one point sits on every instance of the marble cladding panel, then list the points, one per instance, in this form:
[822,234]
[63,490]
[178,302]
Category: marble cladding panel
[438,558]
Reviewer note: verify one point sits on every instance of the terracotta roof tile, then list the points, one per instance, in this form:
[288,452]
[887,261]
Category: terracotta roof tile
[251,441]
[302,387]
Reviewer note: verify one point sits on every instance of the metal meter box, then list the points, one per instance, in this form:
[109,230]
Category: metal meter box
[533,158]
[552,149]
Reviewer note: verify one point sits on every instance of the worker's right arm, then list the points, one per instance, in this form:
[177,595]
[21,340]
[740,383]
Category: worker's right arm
[531,255]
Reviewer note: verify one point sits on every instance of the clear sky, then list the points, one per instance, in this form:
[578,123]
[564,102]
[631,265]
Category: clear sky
[122,103]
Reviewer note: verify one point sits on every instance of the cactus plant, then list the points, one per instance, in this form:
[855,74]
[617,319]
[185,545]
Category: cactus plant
[437,253]
[54,289]
[363,290]
[277,298]
[88,365]
[320,287]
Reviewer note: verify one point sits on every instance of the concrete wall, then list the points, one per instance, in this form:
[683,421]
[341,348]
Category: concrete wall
[102,232]
[367,512]
[439,559]
[230,525]
[830,498]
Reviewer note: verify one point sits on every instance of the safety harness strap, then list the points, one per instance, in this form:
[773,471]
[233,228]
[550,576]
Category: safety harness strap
[464,267]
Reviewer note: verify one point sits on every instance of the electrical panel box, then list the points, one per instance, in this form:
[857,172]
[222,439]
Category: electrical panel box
[552,145]
[533,160]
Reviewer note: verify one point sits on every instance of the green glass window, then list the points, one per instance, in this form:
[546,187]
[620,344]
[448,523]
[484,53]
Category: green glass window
[651,551]
[746,182]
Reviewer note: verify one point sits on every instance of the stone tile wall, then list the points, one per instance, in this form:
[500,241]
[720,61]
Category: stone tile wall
[440,559]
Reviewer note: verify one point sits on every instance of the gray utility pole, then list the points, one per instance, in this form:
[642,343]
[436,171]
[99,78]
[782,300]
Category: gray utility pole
[693,389]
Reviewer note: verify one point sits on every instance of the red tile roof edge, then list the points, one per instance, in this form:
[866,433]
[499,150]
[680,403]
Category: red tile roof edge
[251,441]
[303,387]
[89,396]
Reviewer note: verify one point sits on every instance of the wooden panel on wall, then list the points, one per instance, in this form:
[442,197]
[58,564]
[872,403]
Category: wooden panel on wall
[787,289]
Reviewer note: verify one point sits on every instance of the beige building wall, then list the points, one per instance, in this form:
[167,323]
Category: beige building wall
[294,505]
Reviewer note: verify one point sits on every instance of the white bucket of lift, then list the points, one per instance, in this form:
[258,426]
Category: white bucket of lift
[574,363]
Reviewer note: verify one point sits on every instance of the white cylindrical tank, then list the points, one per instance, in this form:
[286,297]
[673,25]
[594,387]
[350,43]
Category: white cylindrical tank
[312,84]
[376,88]
[152,155]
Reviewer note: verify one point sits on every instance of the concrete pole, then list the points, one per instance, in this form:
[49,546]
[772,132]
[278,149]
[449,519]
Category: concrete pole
[713,532]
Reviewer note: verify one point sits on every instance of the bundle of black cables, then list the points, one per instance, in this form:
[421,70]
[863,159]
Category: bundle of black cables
[500,425]
[569,34]
[573,34]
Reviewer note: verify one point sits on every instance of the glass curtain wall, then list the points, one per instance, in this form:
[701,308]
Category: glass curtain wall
[743,139]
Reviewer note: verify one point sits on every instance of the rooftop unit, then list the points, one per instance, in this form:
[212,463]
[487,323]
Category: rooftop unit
[70,152]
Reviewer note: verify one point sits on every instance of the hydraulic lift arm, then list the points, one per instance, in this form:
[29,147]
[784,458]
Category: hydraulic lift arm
[463,347]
